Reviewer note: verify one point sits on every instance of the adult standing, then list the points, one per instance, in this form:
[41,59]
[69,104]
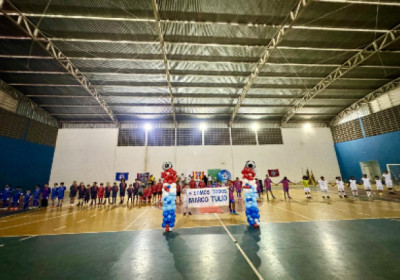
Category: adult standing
[72,193]
[205,179]
[45,195]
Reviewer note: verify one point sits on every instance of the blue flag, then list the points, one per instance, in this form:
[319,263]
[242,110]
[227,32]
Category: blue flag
[121,175]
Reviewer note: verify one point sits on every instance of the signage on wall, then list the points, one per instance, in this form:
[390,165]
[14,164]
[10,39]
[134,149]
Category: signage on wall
[273,172]
[121,175]
[143,177]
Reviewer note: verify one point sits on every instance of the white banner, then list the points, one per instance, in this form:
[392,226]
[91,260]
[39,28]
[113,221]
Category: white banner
[207,197]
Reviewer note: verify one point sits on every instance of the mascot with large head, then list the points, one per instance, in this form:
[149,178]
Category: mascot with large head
[250,194]
[168,196]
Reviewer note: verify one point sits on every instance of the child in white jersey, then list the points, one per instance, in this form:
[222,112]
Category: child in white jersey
[323,184]
[388,181]
[367,185]
[340,185]
[353,186]
[184,189]
[379,186]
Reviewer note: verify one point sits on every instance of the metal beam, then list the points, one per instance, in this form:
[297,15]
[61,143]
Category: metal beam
[372,48]
[186,43]
[188,114]
[205,61]
[196,95]
[192,105]
[211,22]
[164,54]
[273,43]
[25,25]
[33,110]
[395,84]
[188,85]
[187,74]
[361,2]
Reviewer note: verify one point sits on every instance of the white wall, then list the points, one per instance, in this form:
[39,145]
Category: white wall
[92,155]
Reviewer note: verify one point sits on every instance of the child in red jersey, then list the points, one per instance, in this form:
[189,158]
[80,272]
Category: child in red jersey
[159,189]
[149,194]
[178,192]
[202,184]
[154,192]
[100,193]
[192,184]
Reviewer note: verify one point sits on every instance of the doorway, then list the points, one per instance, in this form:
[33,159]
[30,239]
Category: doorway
[371,168]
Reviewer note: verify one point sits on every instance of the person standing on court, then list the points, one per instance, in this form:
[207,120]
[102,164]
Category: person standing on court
[45,195]
[122,189]
[73,189]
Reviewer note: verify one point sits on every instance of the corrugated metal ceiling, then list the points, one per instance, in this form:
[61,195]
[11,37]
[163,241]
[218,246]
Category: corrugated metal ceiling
[212,47]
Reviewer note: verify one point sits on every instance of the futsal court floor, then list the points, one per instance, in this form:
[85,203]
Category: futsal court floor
[352,238]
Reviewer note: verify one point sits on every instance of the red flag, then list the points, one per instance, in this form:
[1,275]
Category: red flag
[273,172]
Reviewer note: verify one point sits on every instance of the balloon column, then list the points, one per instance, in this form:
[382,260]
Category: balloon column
[168,195]
[250,196]
[223,176]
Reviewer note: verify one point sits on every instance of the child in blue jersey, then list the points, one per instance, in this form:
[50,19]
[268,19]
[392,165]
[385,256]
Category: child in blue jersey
[60,193]
[27,198]
[36,195]
[54,194]
[114,193]
[6,196]
[16,195]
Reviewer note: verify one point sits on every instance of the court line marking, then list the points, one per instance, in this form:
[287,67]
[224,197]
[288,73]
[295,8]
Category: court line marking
[38,221]
[137,218]
[211,226]
[81,221]
[1,245]
[60,228]
[26,238]
[240,249]
[93,216]
[292,212]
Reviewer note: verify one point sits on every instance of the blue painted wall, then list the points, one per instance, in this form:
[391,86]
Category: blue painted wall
[384,148]
[24,163]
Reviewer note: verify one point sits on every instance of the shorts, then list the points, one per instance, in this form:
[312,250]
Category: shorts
[53,197]
[107,195]
[93,196]
[101,196]
[178,194]
[286,189]
[60,198]
[72,194]
[340,189]
[160,193]
[81,196]
[122,194]
[231,201]
[155,193]
[389,184]
[379,188]
[239,191]
[367,188]
[353,188]
[324,190]
[307,190]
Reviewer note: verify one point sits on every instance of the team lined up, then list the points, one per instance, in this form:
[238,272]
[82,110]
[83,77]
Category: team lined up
[151,192]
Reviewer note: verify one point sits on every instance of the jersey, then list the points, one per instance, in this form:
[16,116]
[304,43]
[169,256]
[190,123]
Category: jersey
[306,183]
[379,185]
[388,180]
[366,182]
[54,193]
[36,194]
[26,198]
[61,190]
[340,185]
[323,184]
[353,185]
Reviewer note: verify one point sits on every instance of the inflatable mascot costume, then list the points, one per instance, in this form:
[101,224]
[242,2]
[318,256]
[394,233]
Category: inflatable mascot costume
[168,196]
[250,196]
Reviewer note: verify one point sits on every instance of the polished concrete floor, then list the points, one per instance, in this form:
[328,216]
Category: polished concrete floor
[352,238]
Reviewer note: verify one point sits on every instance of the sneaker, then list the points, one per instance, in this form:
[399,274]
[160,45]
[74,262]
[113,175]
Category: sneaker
[323,196]
[328,196]
[190,213]
[234,213]
[184,214]
[345,195]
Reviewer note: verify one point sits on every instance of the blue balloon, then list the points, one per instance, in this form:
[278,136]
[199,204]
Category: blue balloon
[163,225]
[224,175]
[172,225]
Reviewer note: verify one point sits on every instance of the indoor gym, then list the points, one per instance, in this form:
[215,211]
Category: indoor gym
[96,91]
